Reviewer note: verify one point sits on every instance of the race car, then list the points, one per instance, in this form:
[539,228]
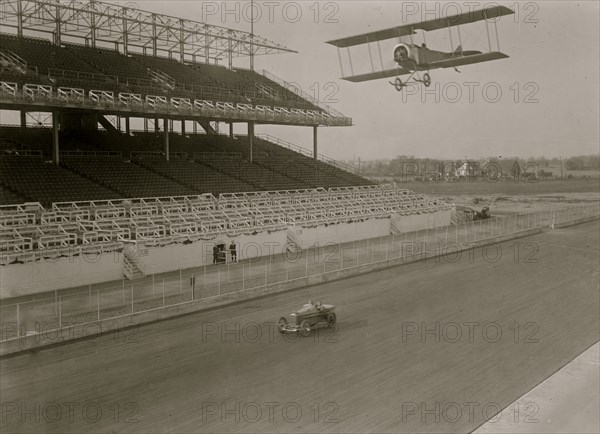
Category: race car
[307,317]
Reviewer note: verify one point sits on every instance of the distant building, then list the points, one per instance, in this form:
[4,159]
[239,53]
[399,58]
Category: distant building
[470,169]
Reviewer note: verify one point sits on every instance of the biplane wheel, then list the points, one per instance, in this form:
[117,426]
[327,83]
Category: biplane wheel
[304,328]
[398,84]
[281,325]
[331,320]
[426,79]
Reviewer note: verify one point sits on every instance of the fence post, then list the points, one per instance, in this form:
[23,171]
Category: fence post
[244,276]
[152,286]
[306,263]
[219,279]
[59,312]
[372,251]
[204,279]
[98,303]
[19,320]
[386,248]
[163,289]
[193,286]
[266,273]
[181,282]
[456,235]
[90,296]
[132,298]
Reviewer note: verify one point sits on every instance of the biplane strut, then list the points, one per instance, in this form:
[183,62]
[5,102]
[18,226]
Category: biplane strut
[426,80]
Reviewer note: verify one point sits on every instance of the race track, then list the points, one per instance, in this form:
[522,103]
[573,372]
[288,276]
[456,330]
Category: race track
[495,328]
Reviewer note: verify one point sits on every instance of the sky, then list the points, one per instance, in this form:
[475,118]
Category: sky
[541,101]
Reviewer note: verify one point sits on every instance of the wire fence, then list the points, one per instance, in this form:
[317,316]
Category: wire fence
[87,305]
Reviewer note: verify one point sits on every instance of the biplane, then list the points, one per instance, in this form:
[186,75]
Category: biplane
[412,59]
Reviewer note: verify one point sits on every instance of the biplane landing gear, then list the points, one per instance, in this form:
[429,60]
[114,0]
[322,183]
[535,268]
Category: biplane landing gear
[426,79]
[398,85]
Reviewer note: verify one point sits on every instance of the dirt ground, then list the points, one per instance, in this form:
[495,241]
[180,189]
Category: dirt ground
[508,197]
[424,347]
[509,204]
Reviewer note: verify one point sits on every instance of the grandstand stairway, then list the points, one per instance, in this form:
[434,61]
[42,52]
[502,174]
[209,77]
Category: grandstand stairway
[11,62]
[131,267]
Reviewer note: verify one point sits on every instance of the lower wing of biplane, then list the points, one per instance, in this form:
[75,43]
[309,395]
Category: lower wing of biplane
[411,59]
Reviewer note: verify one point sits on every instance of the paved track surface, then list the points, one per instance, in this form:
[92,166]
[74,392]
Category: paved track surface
[567,402]
[369,374]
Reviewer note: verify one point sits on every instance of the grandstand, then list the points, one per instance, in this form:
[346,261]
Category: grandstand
[135,155]
[28,229]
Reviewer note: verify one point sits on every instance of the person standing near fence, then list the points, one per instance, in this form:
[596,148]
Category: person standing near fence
[215,254]
[233,251]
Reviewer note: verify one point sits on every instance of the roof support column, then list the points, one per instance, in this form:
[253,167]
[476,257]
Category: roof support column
[252,35]
[154,36]
[206,47]
[127,126]
[231,130]
[229,51]
[125,37]
[58,29]
[251,139]
[183,127]
[55,128]
[315,153]
[181,41]
[19,19]
[23,114]
[166,136]
[93,23]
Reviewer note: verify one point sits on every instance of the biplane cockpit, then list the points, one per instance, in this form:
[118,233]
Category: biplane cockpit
[413,59]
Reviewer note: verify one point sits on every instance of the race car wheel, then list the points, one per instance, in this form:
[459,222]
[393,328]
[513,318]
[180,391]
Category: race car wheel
[426,80]
[304,328]
[281,325]
[331,319]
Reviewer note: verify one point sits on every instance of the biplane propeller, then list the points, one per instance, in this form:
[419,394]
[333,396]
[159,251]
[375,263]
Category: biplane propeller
[412,59]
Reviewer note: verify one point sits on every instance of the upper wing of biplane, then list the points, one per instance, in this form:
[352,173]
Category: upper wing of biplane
[428,26]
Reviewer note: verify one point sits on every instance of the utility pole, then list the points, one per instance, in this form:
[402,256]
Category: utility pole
[252,35]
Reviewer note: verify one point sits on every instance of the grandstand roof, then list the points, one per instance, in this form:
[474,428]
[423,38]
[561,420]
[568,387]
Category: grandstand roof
[94,21]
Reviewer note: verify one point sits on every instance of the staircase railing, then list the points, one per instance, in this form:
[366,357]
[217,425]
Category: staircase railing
[307,153]
[14,60]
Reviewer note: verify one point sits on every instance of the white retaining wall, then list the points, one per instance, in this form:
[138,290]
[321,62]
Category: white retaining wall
[52,274]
